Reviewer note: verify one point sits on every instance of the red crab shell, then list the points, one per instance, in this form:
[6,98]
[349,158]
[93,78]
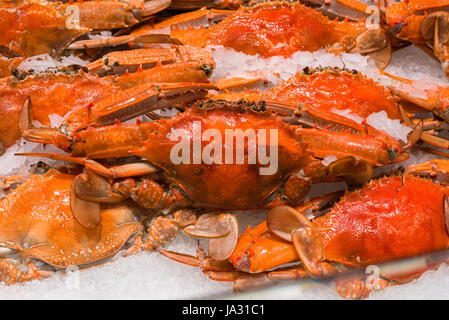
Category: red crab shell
[232,186]
[36,220]
[390,218]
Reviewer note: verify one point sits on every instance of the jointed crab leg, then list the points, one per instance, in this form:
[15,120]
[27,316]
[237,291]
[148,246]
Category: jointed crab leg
[351,9]
[194,4]
[328,133]
[124,105]
[145,34]
[121,61]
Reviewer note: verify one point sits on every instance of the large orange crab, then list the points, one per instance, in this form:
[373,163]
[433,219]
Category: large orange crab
[192,182]
[279,28]
[390,218]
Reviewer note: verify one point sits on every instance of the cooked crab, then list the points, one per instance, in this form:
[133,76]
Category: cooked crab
[278,28]
[390,218]
[207,183]
[39,236]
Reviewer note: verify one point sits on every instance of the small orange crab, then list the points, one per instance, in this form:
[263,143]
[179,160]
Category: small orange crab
[390,218]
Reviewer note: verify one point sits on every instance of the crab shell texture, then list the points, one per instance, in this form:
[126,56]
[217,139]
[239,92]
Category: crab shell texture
[36,220]
[220,185]
[50,94]
[272,29]
[37,27]
[390,218]
[32,29]
[331,88]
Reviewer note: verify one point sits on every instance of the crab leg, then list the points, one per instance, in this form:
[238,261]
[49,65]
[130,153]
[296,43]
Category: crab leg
[168,73]
[130,60]
[145,34]
[122,106]
[436,26]
[182,18]
[436,168]
[139,100]
[11,272]
[351,9]
[194,4]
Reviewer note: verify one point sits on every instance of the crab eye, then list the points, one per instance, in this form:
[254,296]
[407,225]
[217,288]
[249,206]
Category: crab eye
[392,154]
[397,27]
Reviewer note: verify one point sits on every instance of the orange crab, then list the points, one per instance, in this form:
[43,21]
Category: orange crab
[39,236]
[93,222]
[390,218]
[278,28]
[194,184]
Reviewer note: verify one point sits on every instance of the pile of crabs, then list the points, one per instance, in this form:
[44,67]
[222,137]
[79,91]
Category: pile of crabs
[119,190]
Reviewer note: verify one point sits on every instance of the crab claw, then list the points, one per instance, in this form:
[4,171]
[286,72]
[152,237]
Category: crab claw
[131,60]
[435,27]
[223,231]
[139,100]
[87,213]
[291,225]
[124,105]
[41,135]
[375,43]
[355,172]
[119,40]
[222,248]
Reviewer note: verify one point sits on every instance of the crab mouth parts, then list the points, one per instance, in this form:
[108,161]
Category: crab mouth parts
[397,28]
